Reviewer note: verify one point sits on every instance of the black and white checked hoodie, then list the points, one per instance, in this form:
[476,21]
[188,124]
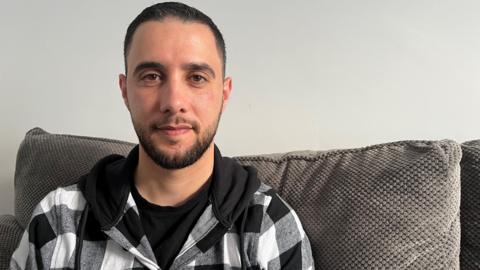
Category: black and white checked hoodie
[95,224]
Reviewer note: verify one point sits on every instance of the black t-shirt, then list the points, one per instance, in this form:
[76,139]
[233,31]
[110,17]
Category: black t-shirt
[166,227]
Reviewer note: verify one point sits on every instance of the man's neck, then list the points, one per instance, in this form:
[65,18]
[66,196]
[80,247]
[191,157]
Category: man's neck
[171,187]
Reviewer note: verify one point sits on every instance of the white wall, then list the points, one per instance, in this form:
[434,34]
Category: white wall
[316,75]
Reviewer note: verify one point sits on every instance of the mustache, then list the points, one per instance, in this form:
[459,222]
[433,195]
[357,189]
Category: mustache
[176,120]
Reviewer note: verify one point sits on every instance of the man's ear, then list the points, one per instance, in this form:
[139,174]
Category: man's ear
[227,89]
[122,82]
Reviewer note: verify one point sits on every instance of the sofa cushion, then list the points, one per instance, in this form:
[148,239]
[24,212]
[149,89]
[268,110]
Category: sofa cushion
[46,161]
[389,206]
[470,206]
[10,234]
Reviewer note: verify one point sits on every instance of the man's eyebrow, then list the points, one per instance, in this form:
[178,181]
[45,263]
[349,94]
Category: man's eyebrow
[199,67]
[147,65]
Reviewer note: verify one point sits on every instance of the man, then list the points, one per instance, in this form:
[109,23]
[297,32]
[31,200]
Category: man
[174,202]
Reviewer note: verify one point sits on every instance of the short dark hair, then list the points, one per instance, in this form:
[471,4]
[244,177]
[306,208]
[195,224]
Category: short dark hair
[160,11]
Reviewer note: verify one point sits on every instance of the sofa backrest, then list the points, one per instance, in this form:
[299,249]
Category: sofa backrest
[388,206]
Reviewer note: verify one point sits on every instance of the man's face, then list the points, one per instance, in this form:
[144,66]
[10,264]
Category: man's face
[174,90]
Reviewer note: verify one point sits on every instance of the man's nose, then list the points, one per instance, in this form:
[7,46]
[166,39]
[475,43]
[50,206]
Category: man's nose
[173,97]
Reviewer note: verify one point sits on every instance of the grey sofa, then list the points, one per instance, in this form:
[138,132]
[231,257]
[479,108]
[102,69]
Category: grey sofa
[390,206]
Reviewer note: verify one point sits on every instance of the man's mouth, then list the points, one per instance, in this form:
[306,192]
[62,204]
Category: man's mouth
[174,130]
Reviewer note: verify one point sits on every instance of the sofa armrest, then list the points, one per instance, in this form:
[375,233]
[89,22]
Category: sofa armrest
[10,235]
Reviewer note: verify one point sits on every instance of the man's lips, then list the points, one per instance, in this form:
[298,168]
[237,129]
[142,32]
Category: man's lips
[174,130]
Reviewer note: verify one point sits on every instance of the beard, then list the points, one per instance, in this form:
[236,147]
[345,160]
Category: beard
[181,160]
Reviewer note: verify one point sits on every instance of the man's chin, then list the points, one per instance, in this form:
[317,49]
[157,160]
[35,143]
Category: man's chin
[176,156]
[173,148]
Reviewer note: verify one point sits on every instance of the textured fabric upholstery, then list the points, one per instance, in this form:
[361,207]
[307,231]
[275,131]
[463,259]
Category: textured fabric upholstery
[10,234]
[389,206]
[470,206]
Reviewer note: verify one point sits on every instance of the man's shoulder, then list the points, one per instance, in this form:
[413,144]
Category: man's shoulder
[65,194]
[64,198]
[268,197]
[268,205]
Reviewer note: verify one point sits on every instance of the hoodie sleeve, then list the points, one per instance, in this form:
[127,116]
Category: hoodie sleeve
[41,246]
[282,243]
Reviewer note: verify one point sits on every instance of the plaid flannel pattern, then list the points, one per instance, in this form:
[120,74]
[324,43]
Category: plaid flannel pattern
[273,238]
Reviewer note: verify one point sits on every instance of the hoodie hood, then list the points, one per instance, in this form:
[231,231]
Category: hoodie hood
[232,188]
[107,187]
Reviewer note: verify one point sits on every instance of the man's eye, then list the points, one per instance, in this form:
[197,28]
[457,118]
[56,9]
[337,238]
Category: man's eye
[198,78]
[151,77]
